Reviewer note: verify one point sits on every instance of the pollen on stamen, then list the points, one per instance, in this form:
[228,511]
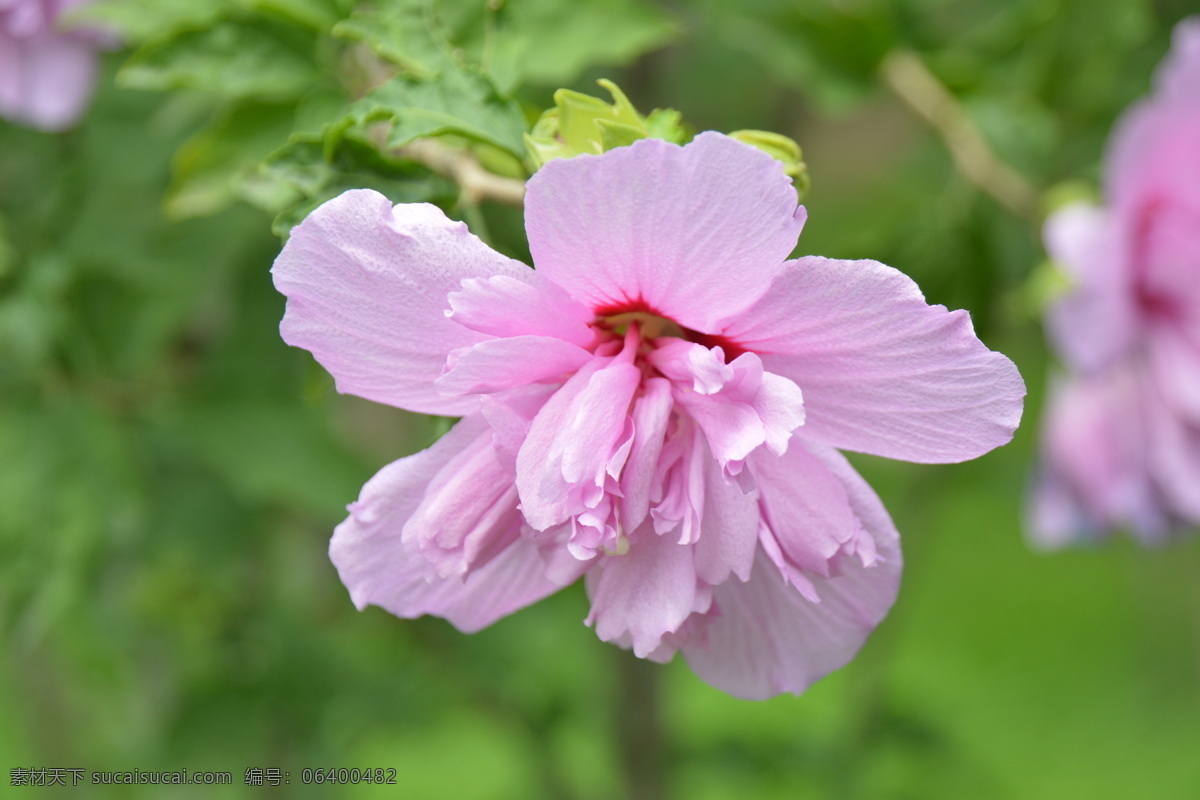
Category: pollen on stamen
[651,326]
[622,545]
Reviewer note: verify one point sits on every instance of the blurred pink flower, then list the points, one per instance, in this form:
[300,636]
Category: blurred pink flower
[1121,438]
[47,74]
[632,410]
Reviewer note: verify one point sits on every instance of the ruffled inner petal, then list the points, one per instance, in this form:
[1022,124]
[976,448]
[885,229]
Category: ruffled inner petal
[646,593]
[468,513]
[379,569]
[650,415]
[737,406]
[517,361]
[728,528]
[562,467]
[768,637]
[531,305]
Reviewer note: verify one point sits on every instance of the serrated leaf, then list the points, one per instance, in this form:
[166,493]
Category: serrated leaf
[400,33]
[539,41]
[455,102]
[232,59]
[307,172]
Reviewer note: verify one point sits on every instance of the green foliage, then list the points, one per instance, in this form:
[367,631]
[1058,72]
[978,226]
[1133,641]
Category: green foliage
[208,170]
[309,170]
[553,42]
[408,34]
[140,21]
[232,59]
[282,74]
[457,102]
[542,42]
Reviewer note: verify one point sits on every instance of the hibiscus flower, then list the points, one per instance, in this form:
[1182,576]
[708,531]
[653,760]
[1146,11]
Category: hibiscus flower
[657,407]
[1121,437]
[47,74]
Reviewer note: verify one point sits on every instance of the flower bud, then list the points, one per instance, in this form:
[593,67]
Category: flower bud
[782,149]
[579,123]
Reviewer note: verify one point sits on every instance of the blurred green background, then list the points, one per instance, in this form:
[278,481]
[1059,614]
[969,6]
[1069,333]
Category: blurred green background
[172,471]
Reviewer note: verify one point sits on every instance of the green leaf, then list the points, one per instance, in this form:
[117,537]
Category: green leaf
[319,15]
[207,169]
[539,41]
[232,59]
[308,171]
[555,42]
[144,20]
[402,33]
[455,102]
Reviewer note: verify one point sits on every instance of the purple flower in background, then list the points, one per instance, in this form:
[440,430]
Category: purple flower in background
[1121,438]
[46,74]
[655,408]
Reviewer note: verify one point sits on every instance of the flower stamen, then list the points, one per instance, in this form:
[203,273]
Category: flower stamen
[650,325]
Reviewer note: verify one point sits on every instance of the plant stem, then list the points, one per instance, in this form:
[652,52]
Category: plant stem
[913,83]
[464,169]
[639,727]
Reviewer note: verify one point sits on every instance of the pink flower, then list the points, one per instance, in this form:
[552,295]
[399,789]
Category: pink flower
[1121,438]
[46,74]
[655,408]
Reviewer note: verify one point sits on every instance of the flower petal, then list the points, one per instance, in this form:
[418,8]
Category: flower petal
[736,405]
[646,593]
[367,287]
[769,639]
[510,414]
[692,233]
[563,465]
[47,79]
[378,569]
[1093,324]
[651,412]
[1173,452]
[1175,367]
[728,528]
[806,510]
[499,364]
[1152,155]
[505,306]
[1178,77]
[1094,460]
[468,513]
[882,371]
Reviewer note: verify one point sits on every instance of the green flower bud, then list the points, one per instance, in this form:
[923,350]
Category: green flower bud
[782,149]
[579,123]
